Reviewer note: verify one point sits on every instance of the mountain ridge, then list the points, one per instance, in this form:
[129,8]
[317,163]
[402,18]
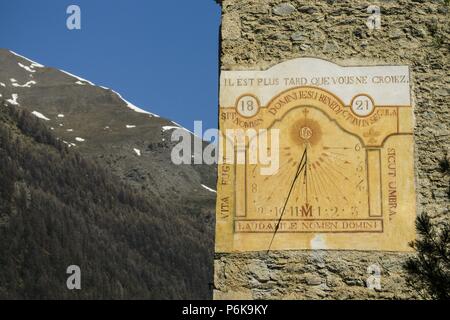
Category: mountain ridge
[75,109]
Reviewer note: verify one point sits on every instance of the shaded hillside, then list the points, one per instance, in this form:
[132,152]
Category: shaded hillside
[58,208]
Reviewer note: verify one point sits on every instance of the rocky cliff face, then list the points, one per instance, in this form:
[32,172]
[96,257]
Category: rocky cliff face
[260,33]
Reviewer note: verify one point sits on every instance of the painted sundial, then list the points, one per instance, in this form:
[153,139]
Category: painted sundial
[340,140]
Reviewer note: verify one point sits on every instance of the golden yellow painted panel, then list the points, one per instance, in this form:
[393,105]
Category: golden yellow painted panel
[316,156]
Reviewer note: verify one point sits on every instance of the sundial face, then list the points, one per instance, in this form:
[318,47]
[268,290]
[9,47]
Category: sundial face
[344,177]
[333,183]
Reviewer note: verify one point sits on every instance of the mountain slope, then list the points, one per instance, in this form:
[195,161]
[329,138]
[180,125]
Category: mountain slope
[59,209]
[126,141]
[101,124]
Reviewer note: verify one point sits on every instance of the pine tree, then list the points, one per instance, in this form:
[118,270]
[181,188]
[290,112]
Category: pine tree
[429,270]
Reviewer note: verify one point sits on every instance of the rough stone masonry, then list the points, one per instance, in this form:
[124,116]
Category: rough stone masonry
[257,34]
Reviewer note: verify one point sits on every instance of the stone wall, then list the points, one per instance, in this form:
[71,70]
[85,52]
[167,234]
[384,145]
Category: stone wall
[260,33]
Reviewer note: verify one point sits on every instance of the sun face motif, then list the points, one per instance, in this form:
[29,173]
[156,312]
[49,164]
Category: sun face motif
[306,132]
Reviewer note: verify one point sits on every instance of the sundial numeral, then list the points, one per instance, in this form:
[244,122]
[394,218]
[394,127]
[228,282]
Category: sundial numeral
[247,106]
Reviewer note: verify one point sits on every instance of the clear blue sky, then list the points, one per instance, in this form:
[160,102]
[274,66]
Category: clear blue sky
[160,55]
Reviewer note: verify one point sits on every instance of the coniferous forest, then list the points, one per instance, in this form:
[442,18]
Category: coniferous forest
[58,209]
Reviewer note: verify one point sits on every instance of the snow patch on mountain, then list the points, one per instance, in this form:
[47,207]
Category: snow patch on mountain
[13,99]
[181,127]
[138,152]
[40,116]
[70,144]
[78,78]
[2,84]
[33,63]
[132,106]
[166,128]
[177,126]
[28,68]
[130,126]
[80,139]
[60,115]
[26,85]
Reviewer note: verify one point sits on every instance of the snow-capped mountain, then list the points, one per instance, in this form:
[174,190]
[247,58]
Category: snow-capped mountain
[100,123]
